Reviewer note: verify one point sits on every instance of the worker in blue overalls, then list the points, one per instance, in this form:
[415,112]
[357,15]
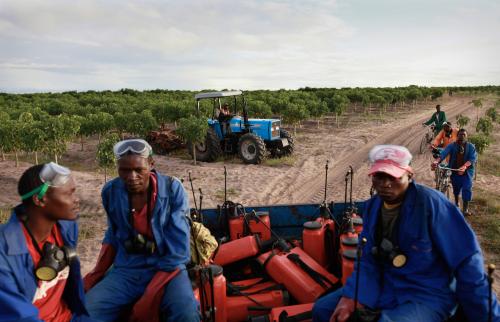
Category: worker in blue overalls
[40,277]
[421,258]
[463,157]
[147,244]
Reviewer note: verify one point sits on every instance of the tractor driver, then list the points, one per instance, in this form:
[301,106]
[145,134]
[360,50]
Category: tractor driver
[421,257]
[146,246]
[224,117]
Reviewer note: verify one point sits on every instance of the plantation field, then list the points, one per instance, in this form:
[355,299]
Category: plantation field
[296,179]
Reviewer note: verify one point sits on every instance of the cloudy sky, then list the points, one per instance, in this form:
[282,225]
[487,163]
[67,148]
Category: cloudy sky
[50,45]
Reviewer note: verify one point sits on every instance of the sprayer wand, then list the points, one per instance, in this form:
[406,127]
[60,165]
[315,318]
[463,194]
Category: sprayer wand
[201,201]
[358,260]
[225,184]
[326,180]
[351,172]
[192,189]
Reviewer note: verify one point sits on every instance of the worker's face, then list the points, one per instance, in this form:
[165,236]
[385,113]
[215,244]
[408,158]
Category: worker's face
[447,128]
[461,137]
[134,170]
[390,189]
[438,108]
[61,203]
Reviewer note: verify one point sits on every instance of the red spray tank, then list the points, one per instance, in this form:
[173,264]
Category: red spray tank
[251,286]
[239,308]
[318,241]
[212,294]
[302,276]
[348,240]
[253,223]
[236,250]
[357,222]
[348,259]
[301,312]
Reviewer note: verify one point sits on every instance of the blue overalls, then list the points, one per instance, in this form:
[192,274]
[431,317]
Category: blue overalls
[126,281]
[461,183]
[444,265]
[17,279]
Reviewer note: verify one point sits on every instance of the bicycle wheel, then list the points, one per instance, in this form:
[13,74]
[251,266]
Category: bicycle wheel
[423,144]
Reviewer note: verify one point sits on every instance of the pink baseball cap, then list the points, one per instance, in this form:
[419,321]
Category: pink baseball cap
[391,159]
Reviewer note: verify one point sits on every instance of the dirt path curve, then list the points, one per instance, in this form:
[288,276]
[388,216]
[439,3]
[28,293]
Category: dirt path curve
[407,132]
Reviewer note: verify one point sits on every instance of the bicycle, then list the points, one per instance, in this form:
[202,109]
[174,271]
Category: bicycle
[427,138]
[443,179]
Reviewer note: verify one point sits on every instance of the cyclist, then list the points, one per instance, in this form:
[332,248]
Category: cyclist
[462,157]
[438,118]
[446,136]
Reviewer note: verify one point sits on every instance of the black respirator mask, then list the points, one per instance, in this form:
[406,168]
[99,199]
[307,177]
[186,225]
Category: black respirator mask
[54,260]
[140,245]
[387,252]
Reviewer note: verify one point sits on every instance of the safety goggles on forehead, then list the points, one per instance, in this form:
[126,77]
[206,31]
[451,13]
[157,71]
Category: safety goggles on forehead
[132,146]
[52,175]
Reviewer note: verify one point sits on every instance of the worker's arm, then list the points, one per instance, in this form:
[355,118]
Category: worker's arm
[461,252]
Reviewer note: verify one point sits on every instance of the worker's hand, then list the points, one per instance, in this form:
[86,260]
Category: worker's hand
[462,170]
[435,164]
[344,310]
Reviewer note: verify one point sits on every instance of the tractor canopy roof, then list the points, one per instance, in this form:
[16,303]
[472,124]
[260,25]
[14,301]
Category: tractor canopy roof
[200,96]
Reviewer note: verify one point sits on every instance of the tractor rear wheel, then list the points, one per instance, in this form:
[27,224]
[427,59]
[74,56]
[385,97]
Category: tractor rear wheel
[251,148]
[207,151]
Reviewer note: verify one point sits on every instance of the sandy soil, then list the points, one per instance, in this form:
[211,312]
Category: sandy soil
[263,184]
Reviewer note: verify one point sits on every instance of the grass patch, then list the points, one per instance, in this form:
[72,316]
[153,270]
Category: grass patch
[486,221]
[86,226]
[276,162]
[231,192]
[488,163]
[5,214]
[180,154]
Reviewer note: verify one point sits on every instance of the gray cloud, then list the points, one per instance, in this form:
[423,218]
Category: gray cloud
[61,45]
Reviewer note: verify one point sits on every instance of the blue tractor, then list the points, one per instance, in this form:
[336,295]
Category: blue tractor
[231,131]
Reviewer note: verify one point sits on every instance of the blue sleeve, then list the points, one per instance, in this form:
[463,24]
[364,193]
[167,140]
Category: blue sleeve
[370,274]
[445,152]
[472,154]
[109,235]
[14,306]
[459,248]
[176,231]
[473,288]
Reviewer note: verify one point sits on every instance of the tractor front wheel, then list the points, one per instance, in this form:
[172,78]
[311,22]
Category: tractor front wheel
[251,149]
[207,151]
[277,152]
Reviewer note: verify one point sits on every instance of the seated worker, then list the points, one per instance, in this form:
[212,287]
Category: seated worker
[421,257]
[462,156]
[147,242]
[40,276]
[437,118]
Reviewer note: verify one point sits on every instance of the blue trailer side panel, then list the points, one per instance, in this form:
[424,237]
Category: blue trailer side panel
[286,220]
